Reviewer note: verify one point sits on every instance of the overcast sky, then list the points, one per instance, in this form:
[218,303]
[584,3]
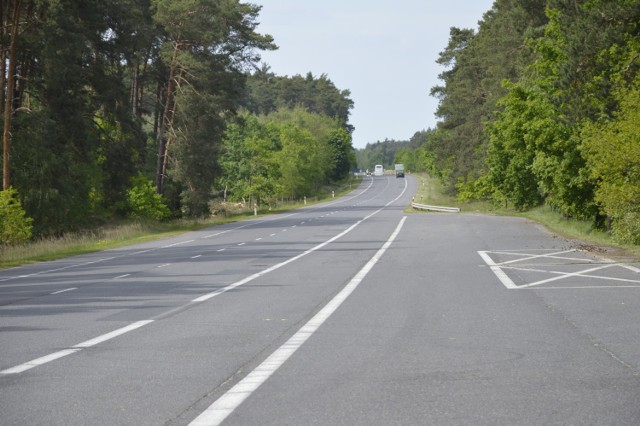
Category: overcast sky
[383,51]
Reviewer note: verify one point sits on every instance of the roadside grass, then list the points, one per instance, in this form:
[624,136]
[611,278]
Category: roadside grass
[430,192]
[123,233]
[100,238]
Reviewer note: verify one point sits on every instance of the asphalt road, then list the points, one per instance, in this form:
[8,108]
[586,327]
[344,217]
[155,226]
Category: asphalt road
[353,312]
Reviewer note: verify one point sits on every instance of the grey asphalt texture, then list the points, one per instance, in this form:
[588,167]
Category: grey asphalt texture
[430,336]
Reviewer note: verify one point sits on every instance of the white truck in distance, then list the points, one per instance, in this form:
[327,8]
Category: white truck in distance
[379,170]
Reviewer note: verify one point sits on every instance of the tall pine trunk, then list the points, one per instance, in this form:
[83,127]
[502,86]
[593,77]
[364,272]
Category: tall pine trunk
[8,101]
[166,122]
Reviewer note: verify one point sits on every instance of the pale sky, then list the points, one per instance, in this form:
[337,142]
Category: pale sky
[383,51]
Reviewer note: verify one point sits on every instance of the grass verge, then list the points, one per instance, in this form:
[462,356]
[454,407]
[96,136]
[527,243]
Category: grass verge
[430,192]
[119,234]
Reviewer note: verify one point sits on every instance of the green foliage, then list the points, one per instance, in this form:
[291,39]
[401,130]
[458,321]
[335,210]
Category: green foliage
[287,154]
[342,156]
[300,165]
[251,170]
[415,154]
[118,158]
[195,152]
[478,189]
[15,226]
[381,152]
[267,93]
[144,202]
[476,65]
[414,160]
[612,150]
[208,47]
[94,74]
[521,126]
[538,140]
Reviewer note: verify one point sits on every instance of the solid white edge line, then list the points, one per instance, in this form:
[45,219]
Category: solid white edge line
[48,271]
[56,355]
[208,296]
[222,290]
[227,403]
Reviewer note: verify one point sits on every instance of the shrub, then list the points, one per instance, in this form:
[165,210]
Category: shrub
[15,226]
[626,228]
[144,201]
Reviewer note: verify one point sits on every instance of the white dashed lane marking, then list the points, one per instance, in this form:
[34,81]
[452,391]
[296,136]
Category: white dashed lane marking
[65,290]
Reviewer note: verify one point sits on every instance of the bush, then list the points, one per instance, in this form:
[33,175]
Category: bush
[15,226]
[626,228]
[144,202]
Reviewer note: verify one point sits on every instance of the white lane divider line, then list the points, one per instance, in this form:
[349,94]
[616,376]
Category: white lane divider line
[258,239]
[178,244]
[86,344]
[78,265]
[250,223]
[222,249]
[227,403]
[214,235]
[59,354]
[163,265]
[65,290]
[196,256]
[293,259]
[121,276]
[39,361]
[241,244]
[111,335]
[63,268]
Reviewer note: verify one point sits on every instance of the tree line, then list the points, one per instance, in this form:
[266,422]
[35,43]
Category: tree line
[134,108]
[542,105]
[410,152]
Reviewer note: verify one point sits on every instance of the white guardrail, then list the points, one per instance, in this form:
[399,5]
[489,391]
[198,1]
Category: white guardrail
[435,208]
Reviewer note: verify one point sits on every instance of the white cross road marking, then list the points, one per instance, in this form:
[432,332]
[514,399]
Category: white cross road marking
[537,256]
[500,269]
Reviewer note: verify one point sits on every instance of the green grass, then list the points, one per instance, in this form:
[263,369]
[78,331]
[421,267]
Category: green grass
[430,192]
[100,238]
[123,233]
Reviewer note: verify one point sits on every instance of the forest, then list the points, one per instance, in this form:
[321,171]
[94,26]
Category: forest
[541,105]
[411,153]
[152,109]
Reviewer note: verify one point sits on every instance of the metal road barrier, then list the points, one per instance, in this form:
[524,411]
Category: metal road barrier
[435,208]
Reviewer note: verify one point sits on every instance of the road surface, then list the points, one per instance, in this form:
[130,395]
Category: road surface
[353,312]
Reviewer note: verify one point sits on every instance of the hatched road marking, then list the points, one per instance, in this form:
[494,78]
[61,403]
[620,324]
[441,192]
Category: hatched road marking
[572,269]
